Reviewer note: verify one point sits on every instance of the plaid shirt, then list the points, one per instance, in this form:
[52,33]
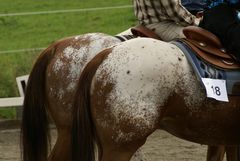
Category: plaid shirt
[154,11]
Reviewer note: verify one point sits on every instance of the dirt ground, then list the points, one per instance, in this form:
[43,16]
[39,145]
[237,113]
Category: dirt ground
[160,146]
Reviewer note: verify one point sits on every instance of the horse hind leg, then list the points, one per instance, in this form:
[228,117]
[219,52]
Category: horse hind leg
[138,156]
[61,149]
[123,151]
[119,154]
[215,153]
[232,153]
[62,120]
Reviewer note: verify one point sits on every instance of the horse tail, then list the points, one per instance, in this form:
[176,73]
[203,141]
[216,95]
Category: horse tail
[34,128]
[84,134]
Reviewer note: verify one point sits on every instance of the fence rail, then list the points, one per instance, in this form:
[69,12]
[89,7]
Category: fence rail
[12,101]
[54,12]
[16,101]
[64,11]
[21,50]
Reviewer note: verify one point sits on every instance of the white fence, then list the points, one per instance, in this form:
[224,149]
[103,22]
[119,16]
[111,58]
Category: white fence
[12,101]
[65,11]
[16,101]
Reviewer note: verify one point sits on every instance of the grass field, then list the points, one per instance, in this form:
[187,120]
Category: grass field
[34,31]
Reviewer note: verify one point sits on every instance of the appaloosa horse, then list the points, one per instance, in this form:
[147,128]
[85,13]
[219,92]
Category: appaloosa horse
[50,91]
[128,91]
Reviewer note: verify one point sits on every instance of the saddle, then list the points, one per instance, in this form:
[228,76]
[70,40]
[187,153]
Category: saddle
[204,43]
[209,48]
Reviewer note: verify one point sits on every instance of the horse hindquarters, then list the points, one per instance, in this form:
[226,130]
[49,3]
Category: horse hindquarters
[124,110]
[34,128]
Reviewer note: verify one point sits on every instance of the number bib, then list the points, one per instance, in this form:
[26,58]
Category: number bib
[216,88]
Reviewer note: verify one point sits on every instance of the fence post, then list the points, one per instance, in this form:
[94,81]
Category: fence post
[21,83]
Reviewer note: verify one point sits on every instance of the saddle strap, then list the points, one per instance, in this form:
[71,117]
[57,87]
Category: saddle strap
[143,31]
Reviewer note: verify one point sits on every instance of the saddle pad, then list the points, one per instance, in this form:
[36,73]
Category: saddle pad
[204,70]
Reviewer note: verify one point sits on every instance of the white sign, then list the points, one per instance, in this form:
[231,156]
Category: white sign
[216,88]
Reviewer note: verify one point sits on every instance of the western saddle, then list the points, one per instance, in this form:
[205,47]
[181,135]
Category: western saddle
[204,43]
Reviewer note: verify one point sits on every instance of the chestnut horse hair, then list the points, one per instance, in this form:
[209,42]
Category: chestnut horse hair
[106,97]
[128,91]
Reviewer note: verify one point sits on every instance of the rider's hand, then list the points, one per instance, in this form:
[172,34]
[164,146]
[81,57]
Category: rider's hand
[199,14]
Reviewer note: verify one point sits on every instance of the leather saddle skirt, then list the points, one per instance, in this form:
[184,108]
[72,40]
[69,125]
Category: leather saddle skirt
[205,44]
[209,48]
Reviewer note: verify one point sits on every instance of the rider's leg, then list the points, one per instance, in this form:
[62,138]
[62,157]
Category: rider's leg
[167,30]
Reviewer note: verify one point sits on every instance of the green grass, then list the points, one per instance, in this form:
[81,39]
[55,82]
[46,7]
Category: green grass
[41,30]
[43,5]
[34,31]
[13,65]
[8,113]
[31,31]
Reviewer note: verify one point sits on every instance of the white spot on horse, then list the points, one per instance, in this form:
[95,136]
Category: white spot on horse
[79,57]
[77,37]
[58,65]
[194,93]
[60,94]
[76,58]
[187,82]
[121,136]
